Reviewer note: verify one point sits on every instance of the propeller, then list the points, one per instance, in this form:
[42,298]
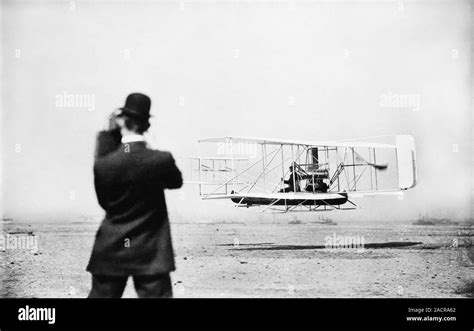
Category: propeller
[376,166]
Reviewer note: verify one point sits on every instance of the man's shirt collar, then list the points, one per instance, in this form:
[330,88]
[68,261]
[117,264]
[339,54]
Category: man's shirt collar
[132,138]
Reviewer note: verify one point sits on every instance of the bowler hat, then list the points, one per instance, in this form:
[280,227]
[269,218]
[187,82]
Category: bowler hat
[137,105]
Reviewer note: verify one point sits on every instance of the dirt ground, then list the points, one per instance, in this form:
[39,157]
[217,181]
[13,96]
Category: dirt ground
[265,259]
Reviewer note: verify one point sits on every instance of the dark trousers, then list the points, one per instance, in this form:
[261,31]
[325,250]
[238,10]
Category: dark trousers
[156,286]
[289,189]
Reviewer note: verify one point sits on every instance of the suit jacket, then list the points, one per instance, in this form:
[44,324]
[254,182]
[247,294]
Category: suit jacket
[134,238]
[297,177]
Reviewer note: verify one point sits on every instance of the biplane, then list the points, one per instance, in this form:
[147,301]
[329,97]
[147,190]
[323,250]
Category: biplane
[282,175]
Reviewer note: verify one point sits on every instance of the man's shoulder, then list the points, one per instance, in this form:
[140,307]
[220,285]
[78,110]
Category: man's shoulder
[161,156]
[106,143]
[109,135]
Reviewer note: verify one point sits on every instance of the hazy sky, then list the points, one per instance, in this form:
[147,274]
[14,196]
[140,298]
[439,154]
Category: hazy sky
[308,69]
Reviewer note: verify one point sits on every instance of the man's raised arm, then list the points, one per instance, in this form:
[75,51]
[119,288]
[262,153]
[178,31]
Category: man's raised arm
[106,142]
[171,178]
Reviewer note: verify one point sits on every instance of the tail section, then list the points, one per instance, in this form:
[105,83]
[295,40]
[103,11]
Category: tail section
[406,158]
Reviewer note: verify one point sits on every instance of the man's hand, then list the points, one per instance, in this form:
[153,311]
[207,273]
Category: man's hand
[113,125]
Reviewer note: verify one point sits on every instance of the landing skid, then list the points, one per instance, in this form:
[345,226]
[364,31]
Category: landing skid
[272,208]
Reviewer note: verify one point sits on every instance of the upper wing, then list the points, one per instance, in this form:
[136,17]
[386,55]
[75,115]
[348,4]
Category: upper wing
[320,143]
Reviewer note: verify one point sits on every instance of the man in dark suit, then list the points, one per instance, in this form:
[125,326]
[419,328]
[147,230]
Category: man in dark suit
[293,181]
[134,238]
